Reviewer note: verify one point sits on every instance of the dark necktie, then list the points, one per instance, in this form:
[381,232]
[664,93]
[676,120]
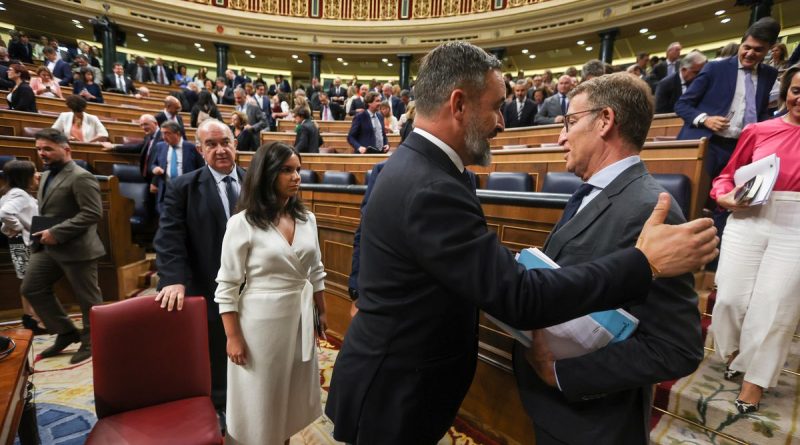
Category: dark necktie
[563,104]
[233,196]
[574,204]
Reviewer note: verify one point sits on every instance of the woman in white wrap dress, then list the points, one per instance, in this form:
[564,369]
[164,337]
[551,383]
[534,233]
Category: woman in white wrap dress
[271,247]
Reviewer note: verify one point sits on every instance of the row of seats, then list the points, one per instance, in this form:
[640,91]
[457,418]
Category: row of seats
[677,185]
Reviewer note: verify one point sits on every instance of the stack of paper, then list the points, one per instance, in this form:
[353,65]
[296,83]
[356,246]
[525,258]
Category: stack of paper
[575,337]
[767,168]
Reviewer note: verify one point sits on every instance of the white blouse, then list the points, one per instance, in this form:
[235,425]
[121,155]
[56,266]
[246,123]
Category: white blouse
[17,209]
[91,126]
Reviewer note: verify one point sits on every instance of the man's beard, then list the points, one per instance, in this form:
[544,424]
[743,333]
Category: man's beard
[477,145]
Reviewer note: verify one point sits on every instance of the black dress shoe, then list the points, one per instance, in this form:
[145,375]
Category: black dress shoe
[29,323]
[62,341]
[746,408]
[84,353]
[730,374]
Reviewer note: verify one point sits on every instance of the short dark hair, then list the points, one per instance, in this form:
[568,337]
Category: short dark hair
[786,81]
[593,68]
[117,64]
[302,112]
[19,174]
[370,97]
[765,29]
[21,70]
[450,66]
[84,71]
[48,50]
[258,198]
[630,98]
[53,135]
[76,103]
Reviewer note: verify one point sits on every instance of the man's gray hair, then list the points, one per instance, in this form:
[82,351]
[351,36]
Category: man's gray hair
[630,98]
[147,118]
[239,91]
[447,67]
[203,127]
[171,126]
[522,83]
[693,58]
[593,68]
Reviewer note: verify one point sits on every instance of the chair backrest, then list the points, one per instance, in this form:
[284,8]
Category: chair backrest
[127,173]
[4,159]
[561,182]
[338,177]
[83,164]
[510,182]
[308,176]
[144,355]
[30,132]
[679,187]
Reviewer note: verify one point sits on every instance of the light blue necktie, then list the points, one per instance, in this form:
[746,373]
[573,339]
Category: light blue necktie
[173,164]
[750,115]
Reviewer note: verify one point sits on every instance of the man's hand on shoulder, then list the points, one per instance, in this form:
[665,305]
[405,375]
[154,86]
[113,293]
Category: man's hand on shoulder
[675,250]
[172,296]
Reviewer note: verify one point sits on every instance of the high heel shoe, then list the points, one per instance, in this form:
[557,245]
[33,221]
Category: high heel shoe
[730,374]
[746,408]
[29,323]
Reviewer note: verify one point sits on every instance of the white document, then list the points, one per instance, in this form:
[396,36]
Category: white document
[767,168]
[579,336]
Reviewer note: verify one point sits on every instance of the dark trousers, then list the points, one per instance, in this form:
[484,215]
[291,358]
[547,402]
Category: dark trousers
[37,286]
[217,349]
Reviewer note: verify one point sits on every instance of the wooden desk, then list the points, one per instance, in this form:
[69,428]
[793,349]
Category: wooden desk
[14,372]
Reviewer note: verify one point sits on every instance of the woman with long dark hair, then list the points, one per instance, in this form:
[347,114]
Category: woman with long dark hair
[204,108]
[271,247]
[17,209]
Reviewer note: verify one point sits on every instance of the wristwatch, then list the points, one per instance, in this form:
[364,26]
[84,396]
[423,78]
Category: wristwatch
[702,121]
[353,293]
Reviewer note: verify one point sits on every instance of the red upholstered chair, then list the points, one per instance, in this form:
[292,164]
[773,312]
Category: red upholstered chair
[152,376]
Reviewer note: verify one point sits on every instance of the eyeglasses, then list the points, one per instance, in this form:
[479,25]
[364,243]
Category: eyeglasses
[568,121]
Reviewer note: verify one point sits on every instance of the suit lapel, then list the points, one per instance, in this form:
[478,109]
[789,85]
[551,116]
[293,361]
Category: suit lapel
[60,177]
[556,241]
[211,196]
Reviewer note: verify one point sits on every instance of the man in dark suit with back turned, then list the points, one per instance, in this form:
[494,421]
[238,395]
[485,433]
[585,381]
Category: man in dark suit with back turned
[672,87]
[70,247]
[367,129]
[188,243]
[521,111]
[604,397]
[307,139]
[428,263]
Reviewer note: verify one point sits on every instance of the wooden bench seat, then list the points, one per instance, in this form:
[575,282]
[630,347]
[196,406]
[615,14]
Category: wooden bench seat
[681,157]
[12,123]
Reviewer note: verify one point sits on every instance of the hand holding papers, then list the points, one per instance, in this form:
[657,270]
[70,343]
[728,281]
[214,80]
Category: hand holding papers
[757,180]
[575,337]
